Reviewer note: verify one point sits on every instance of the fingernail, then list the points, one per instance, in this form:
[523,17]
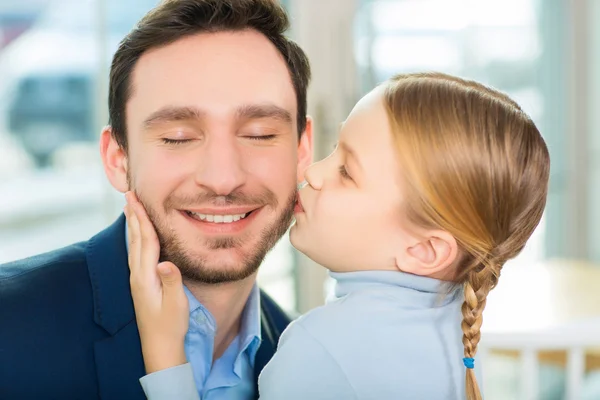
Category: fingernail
[164,269]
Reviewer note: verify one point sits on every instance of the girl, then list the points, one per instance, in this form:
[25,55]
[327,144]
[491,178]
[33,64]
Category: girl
[436,182]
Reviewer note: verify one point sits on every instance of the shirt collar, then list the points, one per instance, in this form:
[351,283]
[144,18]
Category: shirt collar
[249,336]
[417,291]
[250,331]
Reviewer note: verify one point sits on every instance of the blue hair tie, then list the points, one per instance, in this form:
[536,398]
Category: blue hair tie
[469,362]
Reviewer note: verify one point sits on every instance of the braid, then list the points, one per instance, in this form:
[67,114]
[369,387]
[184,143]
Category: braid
[479,282]
[490,202]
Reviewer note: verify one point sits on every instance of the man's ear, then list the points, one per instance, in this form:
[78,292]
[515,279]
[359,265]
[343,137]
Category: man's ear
[305,149]
[114,160]
[431,254]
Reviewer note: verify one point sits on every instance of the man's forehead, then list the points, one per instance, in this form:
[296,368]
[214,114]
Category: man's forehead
[220,56]
[230,73]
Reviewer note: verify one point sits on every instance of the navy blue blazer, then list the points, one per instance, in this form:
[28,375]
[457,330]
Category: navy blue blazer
[68,328]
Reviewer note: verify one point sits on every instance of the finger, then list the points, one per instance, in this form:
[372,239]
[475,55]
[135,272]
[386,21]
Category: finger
[174,298]
[133,227]
[150,247]
[131,197]
[128,218]
[127,212]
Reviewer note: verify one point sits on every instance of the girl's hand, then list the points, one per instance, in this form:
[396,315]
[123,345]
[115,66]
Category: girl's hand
[161,306]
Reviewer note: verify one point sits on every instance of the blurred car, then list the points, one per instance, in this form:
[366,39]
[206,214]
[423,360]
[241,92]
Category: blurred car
[50,72]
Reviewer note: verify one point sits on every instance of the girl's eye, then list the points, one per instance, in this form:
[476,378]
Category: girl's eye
[344,172]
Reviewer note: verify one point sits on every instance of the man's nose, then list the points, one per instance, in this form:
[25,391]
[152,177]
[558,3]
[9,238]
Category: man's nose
[220,168]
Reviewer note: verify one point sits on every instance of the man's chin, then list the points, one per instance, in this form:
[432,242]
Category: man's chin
[216,275]
[223,259]
[216,266]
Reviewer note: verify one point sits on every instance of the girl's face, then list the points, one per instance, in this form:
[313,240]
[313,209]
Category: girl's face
[349,215]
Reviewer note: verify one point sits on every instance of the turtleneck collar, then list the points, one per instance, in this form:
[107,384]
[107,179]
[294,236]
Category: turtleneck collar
[412,290]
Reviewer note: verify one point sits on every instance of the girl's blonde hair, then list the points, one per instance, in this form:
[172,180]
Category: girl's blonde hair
[476,167]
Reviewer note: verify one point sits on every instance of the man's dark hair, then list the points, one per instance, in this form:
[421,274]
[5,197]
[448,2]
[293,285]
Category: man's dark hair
[175,19]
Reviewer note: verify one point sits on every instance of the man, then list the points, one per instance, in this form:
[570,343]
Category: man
[208,127]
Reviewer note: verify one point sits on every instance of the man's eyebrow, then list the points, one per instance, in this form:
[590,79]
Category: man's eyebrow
[171,114]
[187,113]
[258,111]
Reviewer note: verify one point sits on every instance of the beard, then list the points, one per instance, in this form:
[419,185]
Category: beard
[199,269]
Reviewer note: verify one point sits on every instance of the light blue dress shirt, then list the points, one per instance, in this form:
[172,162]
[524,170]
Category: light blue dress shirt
[230,377]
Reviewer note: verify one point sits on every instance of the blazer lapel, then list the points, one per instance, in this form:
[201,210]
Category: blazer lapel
[265,351]
[268,344]
[120,365]
[119,361]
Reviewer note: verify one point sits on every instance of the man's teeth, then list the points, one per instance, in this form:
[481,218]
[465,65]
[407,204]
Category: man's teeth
[219,219]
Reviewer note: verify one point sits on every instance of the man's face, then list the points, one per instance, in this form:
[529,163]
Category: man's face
[213,151]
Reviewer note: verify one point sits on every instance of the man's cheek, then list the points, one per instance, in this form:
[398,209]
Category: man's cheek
[162,171]
[276,173]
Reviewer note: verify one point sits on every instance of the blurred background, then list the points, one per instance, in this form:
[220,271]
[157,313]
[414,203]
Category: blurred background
[54,62]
